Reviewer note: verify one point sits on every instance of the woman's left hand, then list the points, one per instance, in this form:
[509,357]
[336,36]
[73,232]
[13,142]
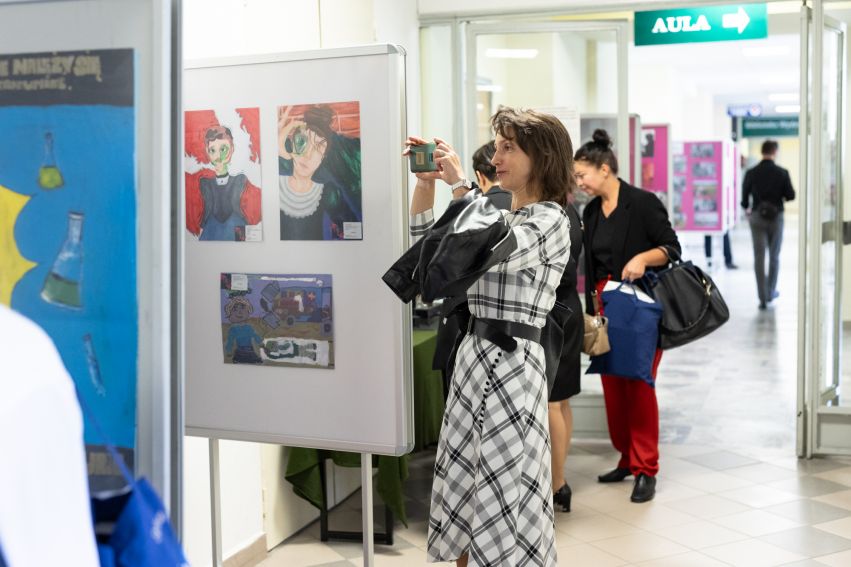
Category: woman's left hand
[634,269]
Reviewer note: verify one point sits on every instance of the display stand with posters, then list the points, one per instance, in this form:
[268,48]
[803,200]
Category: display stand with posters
[87,92]
[704,186]
[630,167]
[656,161]
[295,206]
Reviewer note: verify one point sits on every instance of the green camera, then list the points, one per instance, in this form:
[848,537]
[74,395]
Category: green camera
[422,158]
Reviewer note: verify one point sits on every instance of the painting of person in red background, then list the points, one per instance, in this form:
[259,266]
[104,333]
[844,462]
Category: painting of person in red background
[222,171]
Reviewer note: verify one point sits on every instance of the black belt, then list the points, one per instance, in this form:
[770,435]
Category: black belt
[502,333]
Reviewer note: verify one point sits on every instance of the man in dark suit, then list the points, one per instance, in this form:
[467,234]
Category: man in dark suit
[454,313]
[764,190]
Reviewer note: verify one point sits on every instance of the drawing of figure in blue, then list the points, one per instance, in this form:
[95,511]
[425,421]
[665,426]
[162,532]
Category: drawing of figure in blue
[241,334]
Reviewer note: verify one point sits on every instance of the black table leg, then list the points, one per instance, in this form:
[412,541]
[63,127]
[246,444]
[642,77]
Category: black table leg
[325,534]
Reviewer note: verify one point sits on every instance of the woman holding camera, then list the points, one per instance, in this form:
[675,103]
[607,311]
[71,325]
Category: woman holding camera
[491,497]
[626,232]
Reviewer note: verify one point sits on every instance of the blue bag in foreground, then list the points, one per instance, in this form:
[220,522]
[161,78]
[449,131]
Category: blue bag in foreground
[131,524]
[633,334]
[141,533]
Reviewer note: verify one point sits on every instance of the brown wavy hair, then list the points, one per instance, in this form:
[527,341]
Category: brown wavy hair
[545,140]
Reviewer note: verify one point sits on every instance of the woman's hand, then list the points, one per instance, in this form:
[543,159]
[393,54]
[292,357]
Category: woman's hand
[285,126]
[634,269]
[424,175]
[448,162]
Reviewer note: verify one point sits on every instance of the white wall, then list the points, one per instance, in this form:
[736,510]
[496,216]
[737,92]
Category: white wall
[226,28]
[447,7]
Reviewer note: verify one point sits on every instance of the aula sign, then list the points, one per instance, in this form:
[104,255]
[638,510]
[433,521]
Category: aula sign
[696,25]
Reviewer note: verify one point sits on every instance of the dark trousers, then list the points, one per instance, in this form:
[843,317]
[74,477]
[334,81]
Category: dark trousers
[728,251]
[767,234]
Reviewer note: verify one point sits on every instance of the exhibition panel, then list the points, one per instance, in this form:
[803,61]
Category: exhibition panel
[295,205]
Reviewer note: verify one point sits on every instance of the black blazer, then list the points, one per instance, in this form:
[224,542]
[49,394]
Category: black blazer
[642,224]
[767,181]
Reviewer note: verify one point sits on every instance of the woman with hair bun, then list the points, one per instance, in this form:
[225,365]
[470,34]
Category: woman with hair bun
[627,232]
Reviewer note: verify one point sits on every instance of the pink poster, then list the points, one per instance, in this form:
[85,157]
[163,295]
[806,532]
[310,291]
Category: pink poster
[698,187]
[655,155]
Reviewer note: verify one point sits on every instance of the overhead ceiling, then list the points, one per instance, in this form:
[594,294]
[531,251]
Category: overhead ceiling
[737,71]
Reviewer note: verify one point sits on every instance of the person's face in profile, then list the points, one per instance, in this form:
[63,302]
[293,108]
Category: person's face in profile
[308,152]
[589,178]
[513,165]
[220,152]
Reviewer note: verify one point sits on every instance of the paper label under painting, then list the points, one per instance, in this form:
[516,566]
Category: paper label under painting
[277,320]
[68,221]
[222,174]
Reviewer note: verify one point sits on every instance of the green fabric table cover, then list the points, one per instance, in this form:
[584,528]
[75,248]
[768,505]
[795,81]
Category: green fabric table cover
[303,474]
[303,464]
[428,391]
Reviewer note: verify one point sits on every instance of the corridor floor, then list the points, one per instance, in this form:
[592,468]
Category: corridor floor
[731,490]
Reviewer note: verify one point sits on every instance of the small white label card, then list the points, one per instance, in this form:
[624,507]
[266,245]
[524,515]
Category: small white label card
[352,231]
[239,282]
[254,233]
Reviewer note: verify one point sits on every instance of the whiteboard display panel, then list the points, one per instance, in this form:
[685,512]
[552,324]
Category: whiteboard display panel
[316,363]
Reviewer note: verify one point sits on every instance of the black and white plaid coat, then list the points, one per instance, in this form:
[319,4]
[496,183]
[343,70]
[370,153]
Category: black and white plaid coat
[492,494]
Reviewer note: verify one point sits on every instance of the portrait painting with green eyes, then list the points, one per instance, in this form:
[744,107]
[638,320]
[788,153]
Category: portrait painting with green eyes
[221,165]
[319,171]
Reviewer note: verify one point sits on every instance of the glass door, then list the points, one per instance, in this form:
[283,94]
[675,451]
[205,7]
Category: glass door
[824,415]
[567,68]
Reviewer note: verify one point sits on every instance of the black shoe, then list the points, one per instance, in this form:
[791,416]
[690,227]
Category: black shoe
[614,475]
[561,497]
[732,266]
[762,306]
[644,489]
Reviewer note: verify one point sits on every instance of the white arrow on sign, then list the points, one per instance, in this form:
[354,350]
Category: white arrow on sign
[738,20]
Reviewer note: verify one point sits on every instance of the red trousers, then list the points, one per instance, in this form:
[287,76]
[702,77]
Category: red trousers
[633,417]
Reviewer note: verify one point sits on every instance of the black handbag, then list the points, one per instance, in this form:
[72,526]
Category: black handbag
[692,306]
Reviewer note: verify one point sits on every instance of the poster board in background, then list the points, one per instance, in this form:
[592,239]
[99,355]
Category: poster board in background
[569,116]
[90,169]
[363,402]
[629,166]
[656,161]
[703,186]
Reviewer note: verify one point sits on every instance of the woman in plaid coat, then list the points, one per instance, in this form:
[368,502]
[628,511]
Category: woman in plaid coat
[492,497]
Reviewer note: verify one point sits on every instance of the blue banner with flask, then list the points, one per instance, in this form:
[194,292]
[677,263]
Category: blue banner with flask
[68,219]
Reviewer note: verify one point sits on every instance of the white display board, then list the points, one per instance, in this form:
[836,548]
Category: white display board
[364,402]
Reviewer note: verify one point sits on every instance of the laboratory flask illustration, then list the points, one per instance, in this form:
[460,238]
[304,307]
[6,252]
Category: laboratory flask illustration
[49,176]
[62,285]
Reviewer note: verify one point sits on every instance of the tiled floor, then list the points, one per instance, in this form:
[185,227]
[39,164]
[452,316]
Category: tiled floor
[730,492]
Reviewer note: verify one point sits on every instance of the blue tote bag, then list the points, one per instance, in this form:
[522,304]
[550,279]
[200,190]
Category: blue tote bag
[131,525]
[633,334]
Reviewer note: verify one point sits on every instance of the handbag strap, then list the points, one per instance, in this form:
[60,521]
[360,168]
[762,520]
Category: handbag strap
[116,456]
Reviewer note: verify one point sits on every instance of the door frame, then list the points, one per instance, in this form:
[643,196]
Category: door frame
[817,423]
[474,29]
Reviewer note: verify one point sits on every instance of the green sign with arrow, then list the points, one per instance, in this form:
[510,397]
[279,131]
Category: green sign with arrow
[696,25]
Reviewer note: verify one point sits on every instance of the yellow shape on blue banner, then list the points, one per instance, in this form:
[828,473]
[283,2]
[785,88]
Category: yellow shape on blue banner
[13,265]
